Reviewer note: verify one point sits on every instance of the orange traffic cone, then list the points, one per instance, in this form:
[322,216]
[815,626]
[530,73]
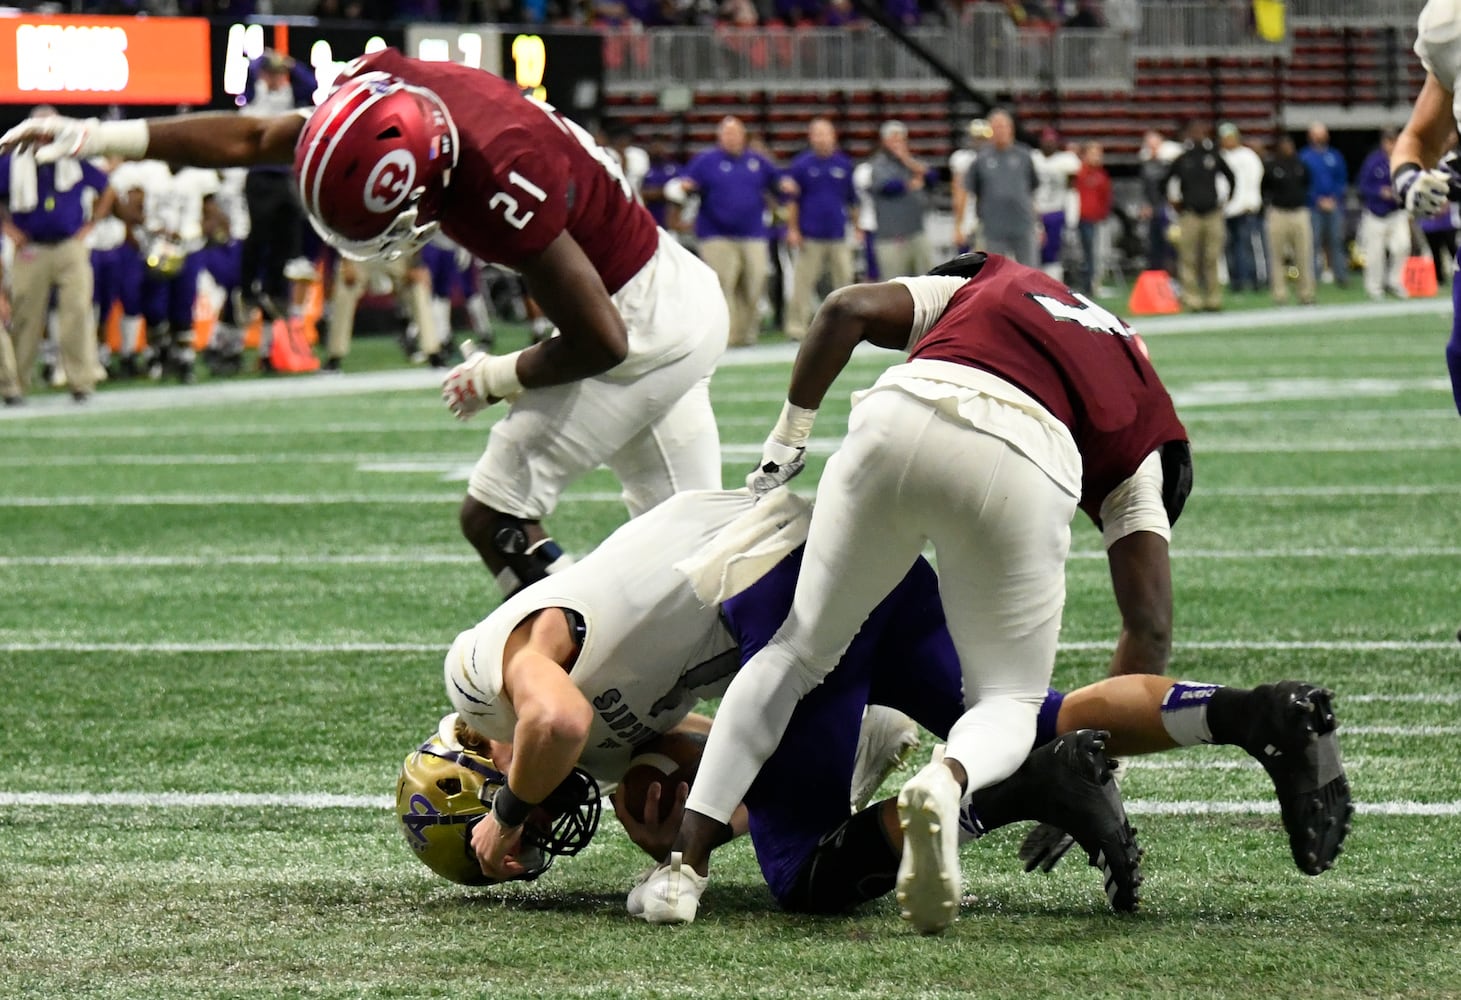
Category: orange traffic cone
[1419,278]
[1153,295]
[290,351]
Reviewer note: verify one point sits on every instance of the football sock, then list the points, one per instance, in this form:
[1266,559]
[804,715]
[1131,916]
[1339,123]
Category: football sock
[1185,713]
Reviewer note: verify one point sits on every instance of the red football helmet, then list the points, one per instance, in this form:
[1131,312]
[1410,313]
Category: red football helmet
[372,163]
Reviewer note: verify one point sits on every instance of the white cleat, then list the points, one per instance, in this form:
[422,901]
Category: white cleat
[887,739]
[930,883]
[670,894]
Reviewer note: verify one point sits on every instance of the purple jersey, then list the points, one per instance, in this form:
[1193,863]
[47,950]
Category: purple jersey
[825,184]
[58,215]
[733,193]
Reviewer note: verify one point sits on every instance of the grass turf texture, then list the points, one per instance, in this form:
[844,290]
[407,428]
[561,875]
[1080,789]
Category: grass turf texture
[194,647]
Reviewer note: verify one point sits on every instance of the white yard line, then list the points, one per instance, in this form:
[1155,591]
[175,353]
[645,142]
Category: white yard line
[432,557]
[604,496]
[255,800]
[41,645]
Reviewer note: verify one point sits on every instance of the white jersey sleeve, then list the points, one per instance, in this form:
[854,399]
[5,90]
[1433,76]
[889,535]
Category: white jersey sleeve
[931,295]
[1438,41]
[651,649]
[1136,505]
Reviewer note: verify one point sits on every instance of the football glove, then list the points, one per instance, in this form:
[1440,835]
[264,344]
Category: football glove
[479,381]
[779,464]
[1422,192]
[54,138]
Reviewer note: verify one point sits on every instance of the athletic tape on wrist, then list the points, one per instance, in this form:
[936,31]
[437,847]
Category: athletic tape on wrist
[794,426]
[509,809]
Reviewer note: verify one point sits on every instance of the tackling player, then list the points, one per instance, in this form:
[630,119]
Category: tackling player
[403,148]
[1420,182]
[1021,401]
[580,670]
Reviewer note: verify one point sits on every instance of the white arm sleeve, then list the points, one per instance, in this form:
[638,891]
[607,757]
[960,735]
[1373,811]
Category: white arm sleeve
[1136,505]
[931,295]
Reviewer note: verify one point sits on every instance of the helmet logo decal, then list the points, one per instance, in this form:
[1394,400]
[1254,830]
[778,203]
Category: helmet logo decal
[420,814]
[390,181]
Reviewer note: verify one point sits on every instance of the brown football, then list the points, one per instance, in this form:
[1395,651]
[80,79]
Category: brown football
[666,761]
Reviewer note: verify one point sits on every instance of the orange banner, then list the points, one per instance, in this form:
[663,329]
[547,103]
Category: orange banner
[104,60]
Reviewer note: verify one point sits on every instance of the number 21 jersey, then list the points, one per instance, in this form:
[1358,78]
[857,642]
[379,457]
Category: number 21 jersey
[525,174]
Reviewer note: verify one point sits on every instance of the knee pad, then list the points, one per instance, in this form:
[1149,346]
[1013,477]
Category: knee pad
[527,561]
[851,865]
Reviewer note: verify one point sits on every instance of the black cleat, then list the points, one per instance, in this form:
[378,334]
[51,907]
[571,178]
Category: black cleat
[1293,735]
[1075,785]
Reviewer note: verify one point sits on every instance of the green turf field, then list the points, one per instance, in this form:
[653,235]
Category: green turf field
[222,629]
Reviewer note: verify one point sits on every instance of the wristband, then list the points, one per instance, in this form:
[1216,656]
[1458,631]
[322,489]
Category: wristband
[128,139]
[794,426]
[510,810]
[499,376]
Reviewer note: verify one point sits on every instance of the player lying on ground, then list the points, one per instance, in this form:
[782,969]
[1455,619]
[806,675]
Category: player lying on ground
[1021,401]
[403,148]
[1420,181]
[579,669]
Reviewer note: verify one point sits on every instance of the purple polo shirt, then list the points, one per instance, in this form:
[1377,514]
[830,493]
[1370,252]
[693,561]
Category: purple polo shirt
[826,191]
[657,176]
[1374,177]
[732,190]
[57,216]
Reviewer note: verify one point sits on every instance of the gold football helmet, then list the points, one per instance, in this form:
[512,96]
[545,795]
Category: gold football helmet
[448,784]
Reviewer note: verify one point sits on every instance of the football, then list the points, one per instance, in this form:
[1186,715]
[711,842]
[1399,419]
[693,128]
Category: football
[666,761]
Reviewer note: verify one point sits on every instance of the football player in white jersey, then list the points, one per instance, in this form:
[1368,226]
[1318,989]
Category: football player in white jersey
[1056,205]
[1419,179]
[583,670]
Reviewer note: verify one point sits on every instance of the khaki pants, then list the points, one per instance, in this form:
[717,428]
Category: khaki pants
[1290,236]
[38,268]
[741,266]
[353,278]
[1382,237]
[814,259]
[1199,248]
[904,256]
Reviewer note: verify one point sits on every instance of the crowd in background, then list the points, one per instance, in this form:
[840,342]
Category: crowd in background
[87,240]
[1032,14]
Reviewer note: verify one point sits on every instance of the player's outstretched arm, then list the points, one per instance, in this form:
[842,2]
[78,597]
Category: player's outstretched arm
[880,314]
[202,140]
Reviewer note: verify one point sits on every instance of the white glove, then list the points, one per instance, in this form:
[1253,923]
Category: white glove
[479,381]
[54,138]
[1422,192]
[779,463]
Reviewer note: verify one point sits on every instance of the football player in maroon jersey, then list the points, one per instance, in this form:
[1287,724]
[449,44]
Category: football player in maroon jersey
[404,148]
[1021,400]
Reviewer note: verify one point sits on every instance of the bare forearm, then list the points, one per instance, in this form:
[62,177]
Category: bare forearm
[223,139]
[881,314]
[545,749]
[1141,651]
[563,359]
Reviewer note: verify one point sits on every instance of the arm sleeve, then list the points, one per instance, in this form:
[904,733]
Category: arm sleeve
[931,295]
[1136,504]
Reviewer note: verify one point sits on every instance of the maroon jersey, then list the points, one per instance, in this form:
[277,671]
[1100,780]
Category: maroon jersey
[526,174]
[1077,359]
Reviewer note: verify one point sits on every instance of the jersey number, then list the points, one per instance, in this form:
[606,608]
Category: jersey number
[511,210]
[1083,311]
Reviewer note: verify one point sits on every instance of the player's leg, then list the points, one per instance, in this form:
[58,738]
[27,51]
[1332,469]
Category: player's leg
[1002,536]
[133,282]
[182,298]
[30,296]
[1371,238]
[863,537]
